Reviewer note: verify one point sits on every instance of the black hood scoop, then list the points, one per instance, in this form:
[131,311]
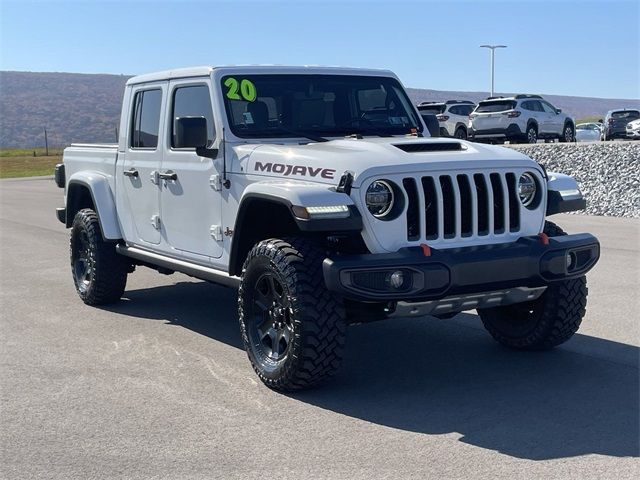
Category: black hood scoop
[429,147]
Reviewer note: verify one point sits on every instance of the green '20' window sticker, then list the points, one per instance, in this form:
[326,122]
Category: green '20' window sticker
[242,90]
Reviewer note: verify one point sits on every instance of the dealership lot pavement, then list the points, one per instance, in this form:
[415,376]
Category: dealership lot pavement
[158,386]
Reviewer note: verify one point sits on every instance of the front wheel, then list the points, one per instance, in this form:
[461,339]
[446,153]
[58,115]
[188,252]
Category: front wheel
[532,134]
[99,272]
[544,323]
[293,328]
[568,135]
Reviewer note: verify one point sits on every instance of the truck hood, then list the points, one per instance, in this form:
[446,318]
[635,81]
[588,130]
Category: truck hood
[325,162]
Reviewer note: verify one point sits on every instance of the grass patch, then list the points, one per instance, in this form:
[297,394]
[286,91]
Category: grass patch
[27,165]
[588,120]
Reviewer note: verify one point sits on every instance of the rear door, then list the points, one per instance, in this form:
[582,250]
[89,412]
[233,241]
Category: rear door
[191,205]
[137,173]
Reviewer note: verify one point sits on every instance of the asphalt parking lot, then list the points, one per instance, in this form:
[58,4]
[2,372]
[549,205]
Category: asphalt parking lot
[157,386]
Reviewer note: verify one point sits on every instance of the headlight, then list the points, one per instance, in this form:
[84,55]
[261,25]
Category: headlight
[379,198]
[527,189]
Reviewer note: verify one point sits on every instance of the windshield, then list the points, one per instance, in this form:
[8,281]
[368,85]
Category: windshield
[499,106]
[278,106]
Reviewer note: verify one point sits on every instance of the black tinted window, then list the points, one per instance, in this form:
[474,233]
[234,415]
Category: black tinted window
[332,105]
[146,119]
[431,109]
[626,114]
[455,110]
[495,106]
[467,109]
[192,101]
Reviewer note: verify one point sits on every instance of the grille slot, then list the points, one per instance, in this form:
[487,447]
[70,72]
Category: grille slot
[483,204]
[498,203]
[466,206]
[448,207]
[514,204]
[462,206]
[413,209]
[431,208]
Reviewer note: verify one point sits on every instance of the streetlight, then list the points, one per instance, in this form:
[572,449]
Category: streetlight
[493,51]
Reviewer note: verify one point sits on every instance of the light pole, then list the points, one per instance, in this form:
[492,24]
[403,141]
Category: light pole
[493,52]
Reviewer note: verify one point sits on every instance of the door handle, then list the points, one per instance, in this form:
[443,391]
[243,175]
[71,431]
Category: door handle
[168,175]
[132,172]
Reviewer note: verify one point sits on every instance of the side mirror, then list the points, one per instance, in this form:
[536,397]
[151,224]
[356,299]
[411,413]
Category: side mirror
[558,110]
[191,132]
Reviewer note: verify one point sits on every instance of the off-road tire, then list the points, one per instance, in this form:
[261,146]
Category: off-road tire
[316,317]
[106,277]
[544,323]
[460,133]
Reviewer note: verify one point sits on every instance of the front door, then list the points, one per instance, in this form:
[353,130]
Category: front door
[191,202]
[142,158]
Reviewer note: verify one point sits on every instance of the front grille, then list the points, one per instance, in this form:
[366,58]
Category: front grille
[462,205]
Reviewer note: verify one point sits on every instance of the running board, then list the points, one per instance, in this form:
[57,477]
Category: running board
[191,269]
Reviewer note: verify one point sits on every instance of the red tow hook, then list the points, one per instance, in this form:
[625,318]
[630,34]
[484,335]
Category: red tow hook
[544,238]
[426,249]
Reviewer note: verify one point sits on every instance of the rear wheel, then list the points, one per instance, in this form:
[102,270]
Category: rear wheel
[293,328]
[99,272]
[544,323]
[461,133]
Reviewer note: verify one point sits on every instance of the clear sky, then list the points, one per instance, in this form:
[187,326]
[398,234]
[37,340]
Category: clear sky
[569,47]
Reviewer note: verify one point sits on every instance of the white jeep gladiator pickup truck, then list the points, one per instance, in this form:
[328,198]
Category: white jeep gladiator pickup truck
[317,193]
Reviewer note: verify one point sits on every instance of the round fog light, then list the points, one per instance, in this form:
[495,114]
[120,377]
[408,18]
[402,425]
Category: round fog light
[396,279]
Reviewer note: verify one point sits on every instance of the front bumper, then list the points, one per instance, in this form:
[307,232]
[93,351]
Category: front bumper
[633,133]
[529,262]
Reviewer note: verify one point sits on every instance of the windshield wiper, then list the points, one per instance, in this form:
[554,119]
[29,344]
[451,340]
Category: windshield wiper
[310,136]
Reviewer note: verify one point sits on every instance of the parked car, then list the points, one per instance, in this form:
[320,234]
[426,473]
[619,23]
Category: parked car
[523,118]
[317,193]
[633,129]
[588,132]
[453,116]
[615,122]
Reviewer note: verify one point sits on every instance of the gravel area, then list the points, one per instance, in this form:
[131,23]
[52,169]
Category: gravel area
[608,173]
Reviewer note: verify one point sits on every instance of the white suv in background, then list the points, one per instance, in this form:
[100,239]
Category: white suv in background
[452,115]
[522,118]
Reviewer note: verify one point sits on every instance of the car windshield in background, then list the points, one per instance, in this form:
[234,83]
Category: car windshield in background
[626,114]
[431,109]
[488,107]
[279,106]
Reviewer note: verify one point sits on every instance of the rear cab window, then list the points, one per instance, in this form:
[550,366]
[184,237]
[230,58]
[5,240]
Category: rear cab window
[146,118]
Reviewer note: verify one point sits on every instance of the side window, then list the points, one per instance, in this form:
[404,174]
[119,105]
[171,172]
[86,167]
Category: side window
[526,106]
[468,109]
[455,110]
[192,101]
[548,108]
[146,118]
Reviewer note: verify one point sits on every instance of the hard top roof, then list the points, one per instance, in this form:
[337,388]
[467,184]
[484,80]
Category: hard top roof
[255,69]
